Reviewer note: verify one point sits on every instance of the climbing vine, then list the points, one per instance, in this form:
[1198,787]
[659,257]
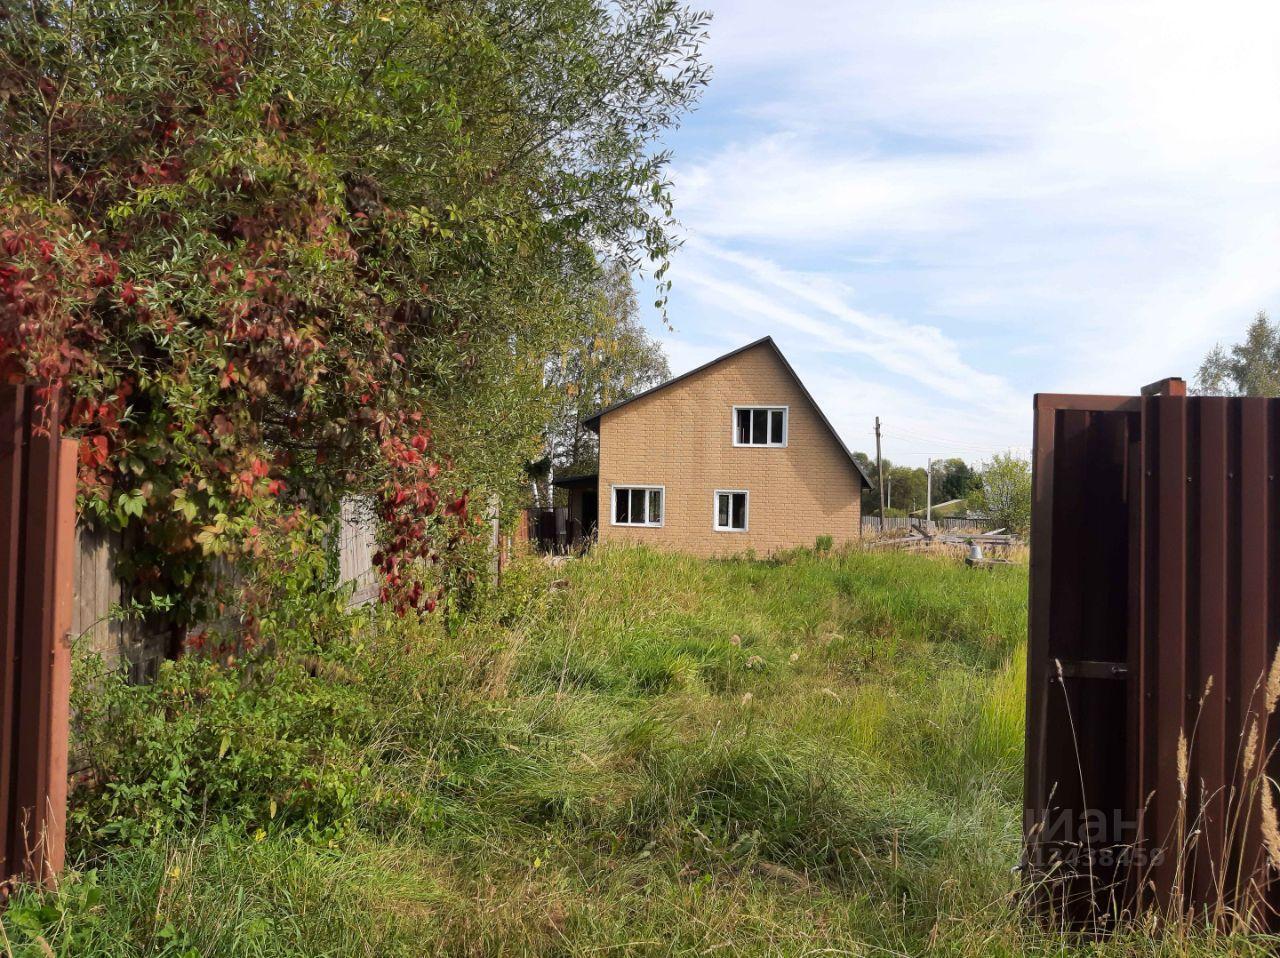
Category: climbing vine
[274,253]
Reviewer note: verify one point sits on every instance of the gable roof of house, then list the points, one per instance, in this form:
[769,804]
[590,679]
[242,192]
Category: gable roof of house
[592,422]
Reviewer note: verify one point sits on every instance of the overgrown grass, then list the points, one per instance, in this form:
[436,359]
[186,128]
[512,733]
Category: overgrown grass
[654,756]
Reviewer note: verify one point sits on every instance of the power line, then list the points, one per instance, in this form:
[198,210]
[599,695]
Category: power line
[933,443]
[952,443]
[958,452]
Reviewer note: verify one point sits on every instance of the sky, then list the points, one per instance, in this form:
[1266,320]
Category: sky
[939,209]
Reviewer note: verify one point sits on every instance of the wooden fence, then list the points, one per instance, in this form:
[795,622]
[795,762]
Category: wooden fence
[357,543]
[137,647]
[871,524]
[102,620]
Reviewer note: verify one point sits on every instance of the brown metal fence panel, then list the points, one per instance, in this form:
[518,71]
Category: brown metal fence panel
[1155,580]
[12,426]
[37,539]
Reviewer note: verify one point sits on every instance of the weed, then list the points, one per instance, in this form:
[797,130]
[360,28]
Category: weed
[668,756]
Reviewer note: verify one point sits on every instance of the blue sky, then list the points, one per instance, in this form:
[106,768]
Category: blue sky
[940,208]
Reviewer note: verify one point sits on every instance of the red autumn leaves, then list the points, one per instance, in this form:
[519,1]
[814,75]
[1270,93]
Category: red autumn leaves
[414,527]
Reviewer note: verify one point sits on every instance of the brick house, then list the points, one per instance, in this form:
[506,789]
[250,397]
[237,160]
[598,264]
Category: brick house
[733,455]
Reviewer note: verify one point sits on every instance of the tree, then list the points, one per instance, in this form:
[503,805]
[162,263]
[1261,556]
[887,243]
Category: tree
[1251,368]
[1004,492]
[906,487]
[870,495]
[952,479]
[611,359]
[276,251]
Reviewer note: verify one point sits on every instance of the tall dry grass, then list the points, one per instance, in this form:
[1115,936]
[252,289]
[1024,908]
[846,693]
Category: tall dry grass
[1181,885]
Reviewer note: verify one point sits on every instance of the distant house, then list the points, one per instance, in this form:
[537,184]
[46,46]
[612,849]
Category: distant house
[731,456]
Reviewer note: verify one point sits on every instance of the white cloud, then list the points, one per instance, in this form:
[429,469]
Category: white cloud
[784,187]
[982,200]
[916,352]
[858,366]
[915,428]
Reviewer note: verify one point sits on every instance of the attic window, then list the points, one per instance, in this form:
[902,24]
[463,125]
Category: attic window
[759,425]
[731,510]
[637,505]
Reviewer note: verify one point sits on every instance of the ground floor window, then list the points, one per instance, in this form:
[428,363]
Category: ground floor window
[731,510]
[637,505]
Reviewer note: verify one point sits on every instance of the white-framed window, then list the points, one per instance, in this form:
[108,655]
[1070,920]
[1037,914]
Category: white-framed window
[638,505]
[760,425]
[730,510]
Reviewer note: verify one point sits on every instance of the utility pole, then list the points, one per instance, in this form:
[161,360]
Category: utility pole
[928,495]
[880,475]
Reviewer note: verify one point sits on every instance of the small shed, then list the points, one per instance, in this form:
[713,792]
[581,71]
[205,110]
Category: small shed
[583,516]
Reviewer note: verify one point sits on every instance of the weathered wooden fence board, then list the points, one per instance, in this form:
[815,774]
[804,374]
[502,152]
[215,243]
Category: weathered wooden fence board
[871,524]
[356,546]
[98,599]
[138,646]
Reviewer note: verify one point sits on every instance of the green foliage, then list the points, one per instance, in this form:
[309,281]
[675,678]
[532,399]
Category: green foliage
[871,494]
[33,920]
[906,488]
[292,733]
[1005,492]
[953,479]
[247,745]
[1251,368]
[612,358]
[268,247]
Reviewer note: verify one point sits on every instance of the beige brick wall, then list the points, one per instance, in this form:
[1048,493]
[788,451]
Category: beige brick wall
[681,437]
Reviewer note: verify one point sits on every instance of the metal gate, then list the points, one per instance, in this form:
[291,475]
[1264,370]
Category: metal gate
[1155,608]
[37,538]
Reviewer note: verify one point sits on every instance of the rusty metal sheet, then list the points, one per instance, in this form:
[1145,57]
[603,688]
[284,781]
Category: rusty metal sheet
[35,645]
[12,422]
[37,516]
[1171,574]
[59,676]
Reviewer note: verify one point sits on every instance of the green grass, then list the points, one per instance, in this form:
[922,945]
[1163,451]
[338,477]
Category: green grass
[662,756]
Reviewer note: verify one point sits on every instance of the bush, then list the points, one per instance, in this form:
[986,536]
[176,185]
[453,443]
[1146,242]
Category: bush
[317,728]
[245,744]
